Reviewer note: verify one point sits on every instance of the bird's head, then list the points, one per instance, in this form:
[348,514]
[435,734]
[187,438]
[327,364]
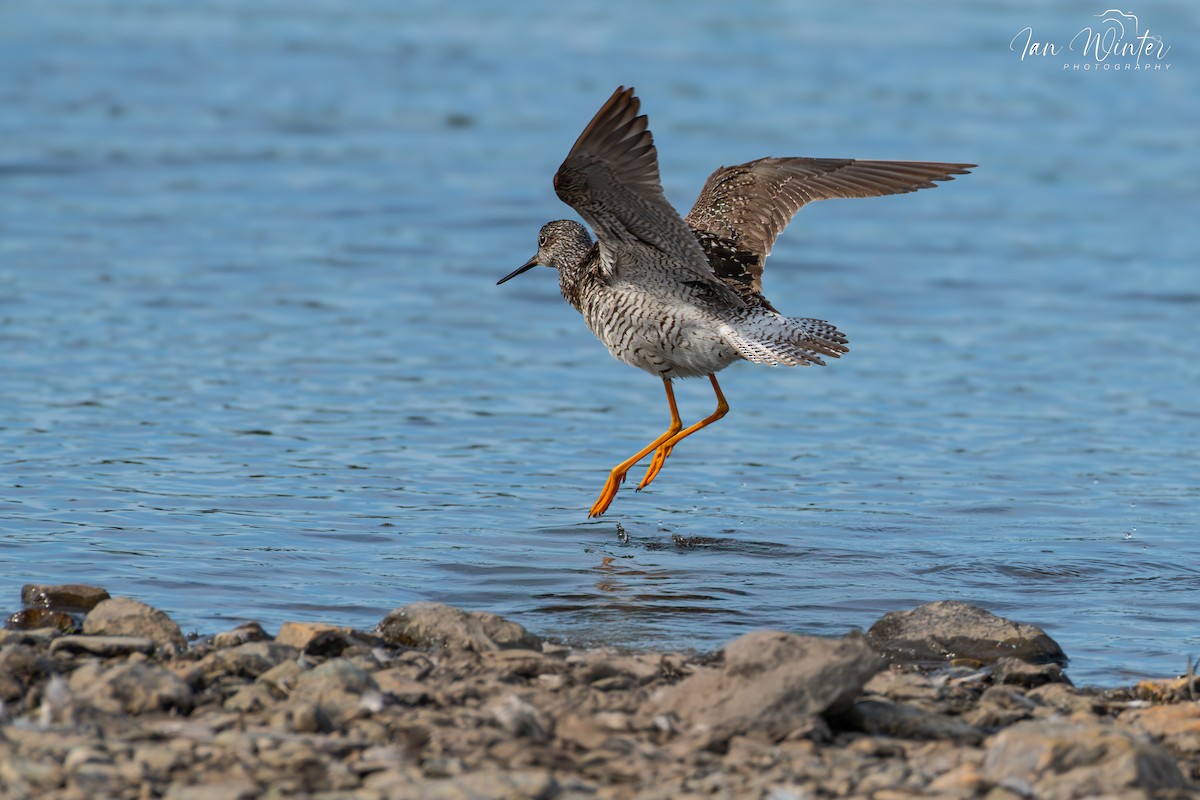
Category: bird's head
[562,244]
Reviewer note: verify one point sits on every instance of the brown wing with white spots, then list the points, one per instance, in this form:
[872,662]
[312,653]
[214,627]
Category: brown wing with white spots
[742,209]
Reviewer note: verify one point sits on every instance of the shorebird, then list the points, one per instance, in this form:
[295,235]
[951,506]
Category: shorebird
[682,297]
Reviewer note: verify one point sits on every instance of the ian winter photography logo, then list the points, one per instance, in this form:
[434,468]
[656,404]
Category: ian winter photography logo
[1113,44]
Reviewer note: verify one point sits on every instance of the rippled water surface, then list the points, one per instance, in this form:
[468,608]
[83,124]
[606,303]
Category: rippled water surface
[253,363]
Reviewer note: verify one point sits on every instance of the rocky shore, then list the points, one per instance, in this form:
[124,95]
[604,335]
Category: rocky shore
[103,697]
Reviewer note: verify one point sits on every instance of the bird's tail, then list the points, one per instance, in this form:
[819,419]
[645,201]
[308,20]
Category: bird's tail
[765,337]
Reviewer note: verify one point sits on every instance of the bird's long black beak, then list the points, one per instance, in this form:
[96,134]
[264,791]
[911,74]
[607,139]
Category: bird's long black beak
[528,265]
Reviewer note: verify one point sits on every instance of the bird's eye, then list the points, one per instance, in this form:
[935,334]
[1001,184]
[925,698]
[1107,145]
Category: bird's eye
[542,240]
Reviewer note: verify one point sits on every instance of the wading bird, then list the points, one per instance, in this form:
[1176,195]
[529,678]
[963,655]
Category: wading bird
[682,297]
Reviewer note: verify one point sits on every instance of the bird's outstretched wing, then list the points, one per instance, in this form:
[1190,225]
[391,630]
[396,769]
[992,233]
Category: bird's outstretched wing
[611,178]
[742,209]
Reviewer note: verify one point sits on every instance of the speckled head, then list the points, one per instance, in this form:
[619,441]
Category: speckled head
[562,244]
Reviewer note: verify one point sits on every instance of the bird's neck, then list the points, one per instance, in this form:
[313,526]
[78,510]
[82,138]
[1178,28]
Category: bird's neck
[575,278]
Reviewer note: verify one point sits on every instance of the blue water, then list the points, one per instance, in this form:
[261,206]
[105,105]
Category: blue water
[253,363]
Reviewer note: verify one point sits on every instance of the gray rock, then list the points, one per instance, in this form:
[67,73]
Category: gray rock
[770,683]
[434,625]
[246,632]
[1015,672]
[250,698]
[21,666]
[1000,706]
[134,687]
[493,785]
[227,790]
[124,616]
[63,597]
[520,718]
[951,629]
[337,687]
[247,660]
[103,646]
[303,717]
[908,722]
[1061,758]
[28,777]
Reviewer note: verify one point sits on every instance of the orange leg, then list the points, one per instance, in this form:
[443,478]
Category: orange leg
[664,449]
[617,476]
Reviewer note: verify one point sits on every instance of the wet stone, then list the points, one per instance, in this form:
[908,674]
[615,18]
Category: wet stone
[950,629]
[76,597]
[33,618]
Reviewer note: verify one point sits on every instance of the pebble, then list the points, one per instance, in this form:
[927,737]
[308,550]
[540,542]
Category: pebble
[444,703]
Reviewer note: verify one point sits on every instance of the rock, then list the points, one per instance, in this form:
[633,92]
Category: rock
[607,671]
[1063,758]
[28,777]
[246,632]
[514,664]
[103,646]
[1178,725]
[902,686]
[252,697]
[434,625]
[1063,699]
[134,687]
[769,683]
[1015,672]
[248,660]
[63,597]
[124,616]
[21,667]
[951,629]
[397,685]
[1170,690]
[582,731]
[304,717]
[39,637]
[999,706]
[880,717]
[489,783]
[337,687]
[315,638]
[224,790]
[520,718]
[28,619]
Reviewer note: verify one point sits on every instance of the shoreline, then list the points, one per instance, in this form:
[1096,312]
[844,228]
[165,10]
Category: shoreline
[946,700]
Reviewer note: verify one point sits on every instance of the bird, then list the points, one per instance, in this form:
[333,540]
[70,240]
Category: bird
[681,297]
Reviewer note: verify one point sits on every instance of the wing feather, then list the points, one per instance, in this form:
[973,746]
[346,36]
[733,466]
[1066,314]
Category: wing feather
[611,178]
[742,209]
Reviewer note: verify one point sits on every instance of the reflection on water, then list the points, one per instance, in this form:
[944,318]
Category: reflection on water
[253,364]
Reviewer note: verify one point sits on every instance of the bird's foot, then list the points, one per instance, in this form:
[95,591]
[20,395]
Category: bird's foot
[615,479]
[656,464]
